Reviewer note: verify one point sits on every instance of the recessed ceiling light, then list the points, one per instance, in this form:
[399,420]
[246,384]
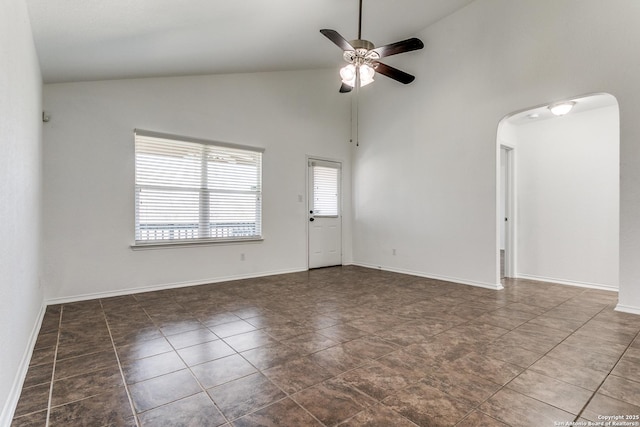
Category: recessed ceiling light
[561,108]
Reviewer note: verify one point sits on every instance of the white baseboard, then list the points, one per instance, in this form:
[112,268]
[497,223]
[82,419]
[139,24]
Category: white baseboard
[627,309]
[161,287]
[568,282]
[16,388]
[493,286]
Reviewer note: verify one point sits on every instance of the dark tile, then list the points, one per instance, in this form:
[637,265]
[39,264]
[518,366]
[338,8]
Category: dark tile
[33,399]
[512,353]
[270,355]
[518,410]
[193,411]
[549,390]
[438,351]
[333,401]
[342,333]
[566,324]
[425,405]
[487,367]
[288,330]
[49,339]
[162,390]
[478,419]
[337,359]
[39,374]
[463,386]
[378,416]
[187,339]
[284,413]
[205,352]
[152,366]
[242,396]
[601,404]
[143,348]
[216,318]
[42,356]
[297,374]
[628,368]
[84,364]
[80,348]
[135,336]
[109,408]
[578,356]
[621,389]
[571,373]
[595,345]
[369,347]
[220,371]
[37,419]
[232,328]
[179,326]
[476,332]
[376,380]
[80,387]
[309,343]
[406,364]
[250,340]
[349,321]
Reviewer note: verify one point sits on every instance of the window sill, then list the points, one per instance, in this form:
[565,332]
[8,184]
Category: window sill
[187,244]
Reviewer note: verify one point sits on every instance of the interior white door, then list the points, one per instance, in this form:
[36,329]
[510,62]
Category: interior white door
[325,220]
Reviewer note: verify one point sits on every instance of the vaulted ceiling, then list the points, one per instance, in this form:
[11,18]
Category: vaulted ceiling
[80,40]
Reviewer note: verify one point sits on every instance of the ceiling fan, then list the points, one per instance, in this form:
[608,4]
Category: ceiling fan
[362,57]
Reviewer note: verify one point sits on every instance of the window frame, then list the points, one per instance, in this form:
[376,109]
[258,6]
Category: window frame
[159,243]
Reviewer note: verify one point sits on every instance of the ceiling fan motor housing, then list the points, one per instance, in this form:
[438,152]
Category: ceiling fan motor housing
[362,44]
[362,53]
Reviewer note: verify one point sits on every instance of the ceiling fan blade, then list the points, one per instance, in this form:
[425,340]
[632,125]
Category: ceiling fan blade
[393,73]
[345,88]
[335,37]
[399,47]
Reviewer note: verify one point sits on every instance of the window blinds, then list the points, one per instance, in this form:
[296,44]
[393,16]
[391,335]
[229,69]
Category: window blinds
[195,190]
[325,190]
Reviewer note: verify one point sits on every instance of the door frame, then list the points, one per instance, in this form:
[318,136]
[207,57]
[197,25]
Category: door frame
[308,160]
[510,211]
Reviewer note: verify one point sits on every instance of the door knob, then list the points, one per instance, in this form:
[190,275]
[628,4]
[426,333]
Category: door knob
[312,219]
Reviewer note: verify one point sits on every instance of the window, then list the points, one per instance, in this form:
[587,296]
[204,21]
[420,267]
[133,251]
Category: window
[325,189]
[190,190]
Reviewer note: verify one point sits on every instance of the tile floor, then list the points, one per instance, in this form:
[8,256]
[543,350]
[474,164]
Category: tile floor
[342,346]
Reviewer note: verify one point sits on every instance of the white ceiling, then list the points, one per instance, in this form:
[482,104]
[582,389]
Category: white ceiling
[81,40]
[542,112]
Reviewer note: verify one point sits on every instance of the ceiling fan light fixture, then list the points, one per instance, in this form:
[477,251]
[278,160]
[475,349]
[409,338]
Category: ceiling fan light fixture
[366,74]
[561,108]
[348,75]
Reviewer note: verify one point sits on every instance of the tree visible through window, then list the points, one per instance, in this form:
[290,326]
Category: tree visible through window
[195,190]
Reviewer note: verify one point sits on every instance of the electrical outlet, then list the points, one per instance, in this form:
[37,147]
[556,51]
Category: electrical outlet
[242,258]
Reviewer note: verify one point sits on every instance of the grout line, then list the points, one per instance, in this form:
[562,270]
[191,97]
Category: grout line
[607,377]
[124,382]
[55,359]
[175,350]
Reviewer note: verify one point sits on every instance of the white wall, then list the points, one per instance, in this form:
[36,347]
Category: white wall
[89,173]
[20,191]
[568,182]
[425,171]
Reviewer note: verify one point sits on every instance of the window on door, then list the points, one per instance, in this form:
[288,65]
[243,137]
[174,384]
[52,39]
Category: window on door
[325,190]
[190,190]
